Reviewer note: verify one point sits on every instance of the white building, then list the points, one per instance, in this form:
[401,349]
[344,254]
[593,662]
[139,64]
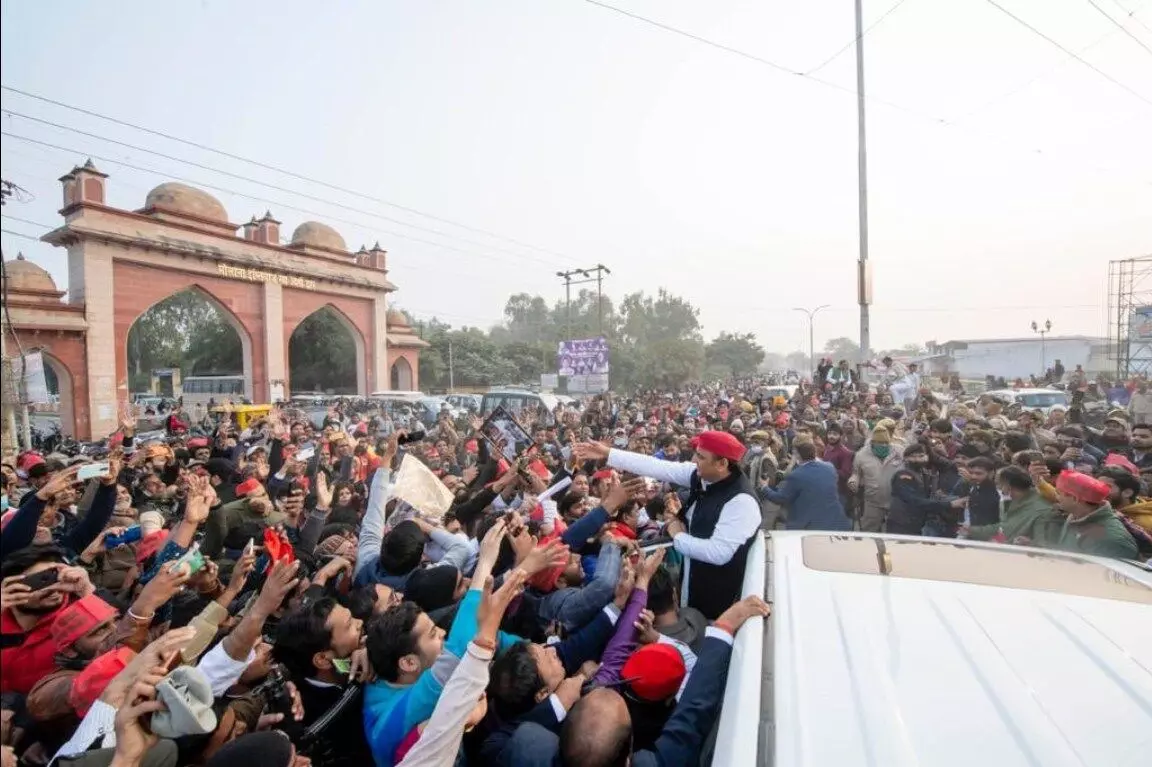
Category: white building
[1019,357]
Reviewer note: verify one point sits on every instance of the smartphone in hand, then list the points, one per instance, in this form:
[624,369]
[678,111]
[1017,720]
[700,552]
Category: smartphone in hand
[91,471]
[42,579]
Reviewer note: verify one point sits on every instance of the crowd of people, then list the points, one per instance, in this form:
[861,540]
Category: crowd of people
[276,595]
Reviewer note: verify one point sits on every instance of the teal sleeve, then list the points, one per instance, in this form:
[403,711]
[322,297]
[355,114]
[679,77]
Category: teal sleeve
[465,626]
[506,641]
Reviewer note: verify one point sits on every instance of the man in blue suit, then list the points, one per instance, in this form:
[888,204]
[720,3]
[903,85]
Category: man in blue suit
[598,730]
[811,493]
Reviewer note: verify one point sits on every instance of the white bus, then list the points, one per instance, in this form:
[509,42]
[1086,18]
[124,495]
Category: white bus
[199,390]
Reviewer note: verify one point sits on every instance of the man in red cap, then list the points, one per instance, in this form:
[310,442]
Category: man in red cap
[722,514]
[1091,526]
[231,525]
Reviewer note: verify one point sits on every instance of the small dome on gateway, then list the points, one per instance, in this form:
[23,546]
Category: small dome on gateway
[22,274]
[175,197]
[397,318]
[317,235]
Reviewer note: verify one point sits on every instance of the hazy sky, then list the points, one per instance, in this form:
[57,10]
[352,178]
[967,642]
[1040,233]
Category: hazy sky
[602,139]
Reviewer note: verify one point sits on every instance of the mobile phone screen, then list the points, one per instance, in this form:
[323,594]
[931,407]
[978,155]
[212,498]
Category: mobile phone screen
[91,471]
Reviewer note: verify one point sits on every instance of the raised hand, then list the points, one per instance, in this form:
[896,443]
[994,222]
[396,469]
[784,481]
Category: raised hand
[648,568]
[490,546]
[279,584]
[14,592]
[58,483]
[115,464]
[323,492]
[625,584]
[240,572]
[590,451]
[621,493]
[493,604]
[646,632]
[748,607]
[540,558]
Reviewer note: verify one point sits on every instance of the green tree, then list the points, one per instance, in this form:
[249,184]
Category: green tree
[185,331]
[322,355]
[738,353]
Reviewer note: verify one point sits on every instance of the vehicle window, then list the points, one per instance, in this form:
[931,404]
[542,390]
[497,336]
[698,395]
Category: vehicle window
[1009,567]
[1043,400]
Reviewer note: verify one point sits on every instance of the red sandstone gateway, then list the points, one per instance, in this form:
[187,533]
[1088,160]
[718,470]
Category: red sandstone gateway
[122,262]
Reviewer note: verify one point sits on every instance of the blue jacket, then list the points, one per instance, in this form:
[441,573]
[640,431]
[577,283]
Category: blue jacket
[811,493]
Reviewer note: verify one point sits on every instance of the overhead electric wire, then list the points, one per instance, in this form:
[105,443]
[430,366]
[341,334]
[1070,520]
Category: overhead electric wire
[1073,54]
[857,39]
[1120,26]
[1024,86]
[277,169]
[225,190]
[286,190]
[1131,15]
[19,234]
[935,119]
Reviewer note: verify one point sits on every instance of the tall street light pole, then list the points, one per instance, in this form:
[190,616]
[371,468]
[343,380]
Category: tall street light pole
[811,333]
[863,276]
[1043,330]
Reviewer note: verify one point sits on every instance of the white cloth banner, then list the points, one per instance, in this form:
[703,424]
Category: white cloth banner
[417,486]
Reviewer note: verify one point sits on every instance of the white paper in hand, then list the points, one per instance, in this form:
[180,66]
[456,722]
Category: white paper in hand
[420,488]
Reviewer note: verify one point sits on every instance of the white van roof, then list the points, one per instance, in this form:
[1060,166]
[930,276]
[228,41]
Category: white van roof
[964,654]
[408,396]
[549,400]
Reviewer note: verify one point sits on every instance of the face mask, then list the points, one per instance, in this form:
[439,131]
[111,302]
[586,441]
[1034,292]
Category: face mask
[1004,497]
[620,442]
[756,449]
[881,451]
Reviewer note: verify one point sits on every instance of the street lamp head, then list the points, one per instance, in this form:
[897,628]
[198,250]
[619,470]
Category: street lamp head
[1035,327]
[1048,325]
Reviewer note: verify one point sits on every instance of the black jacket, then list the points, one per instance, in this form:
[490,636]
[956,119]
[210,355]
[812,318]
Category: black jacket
[912,503]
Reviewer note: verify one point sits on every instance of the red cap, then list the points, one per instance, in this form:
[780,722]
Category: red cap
[248,486]
[720,443]
[80,617]
[197,442]
[538,468]
[361,430]
[28,460]
[602,474]
[1082,487]
[89,684]
[1115,459]
[655,672]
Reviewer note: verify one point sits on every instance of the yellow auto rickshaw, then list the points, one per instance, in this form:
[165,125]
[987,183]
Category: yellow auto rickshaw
[245,414]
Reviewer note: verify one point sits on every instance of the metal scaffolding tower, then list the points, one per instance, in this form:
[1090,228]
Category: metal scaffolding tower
[1130,315]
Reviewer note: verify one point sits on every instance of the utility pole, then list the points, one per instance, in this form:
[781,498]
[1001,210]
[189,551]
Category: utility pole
[600,270]
[451,374]
[811,334]
[1043,330]
[863,277]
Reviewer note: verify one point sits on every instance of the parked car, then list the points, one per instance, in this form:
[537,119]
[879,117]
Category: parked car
[515,400]
[469,403]
[1033,399]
